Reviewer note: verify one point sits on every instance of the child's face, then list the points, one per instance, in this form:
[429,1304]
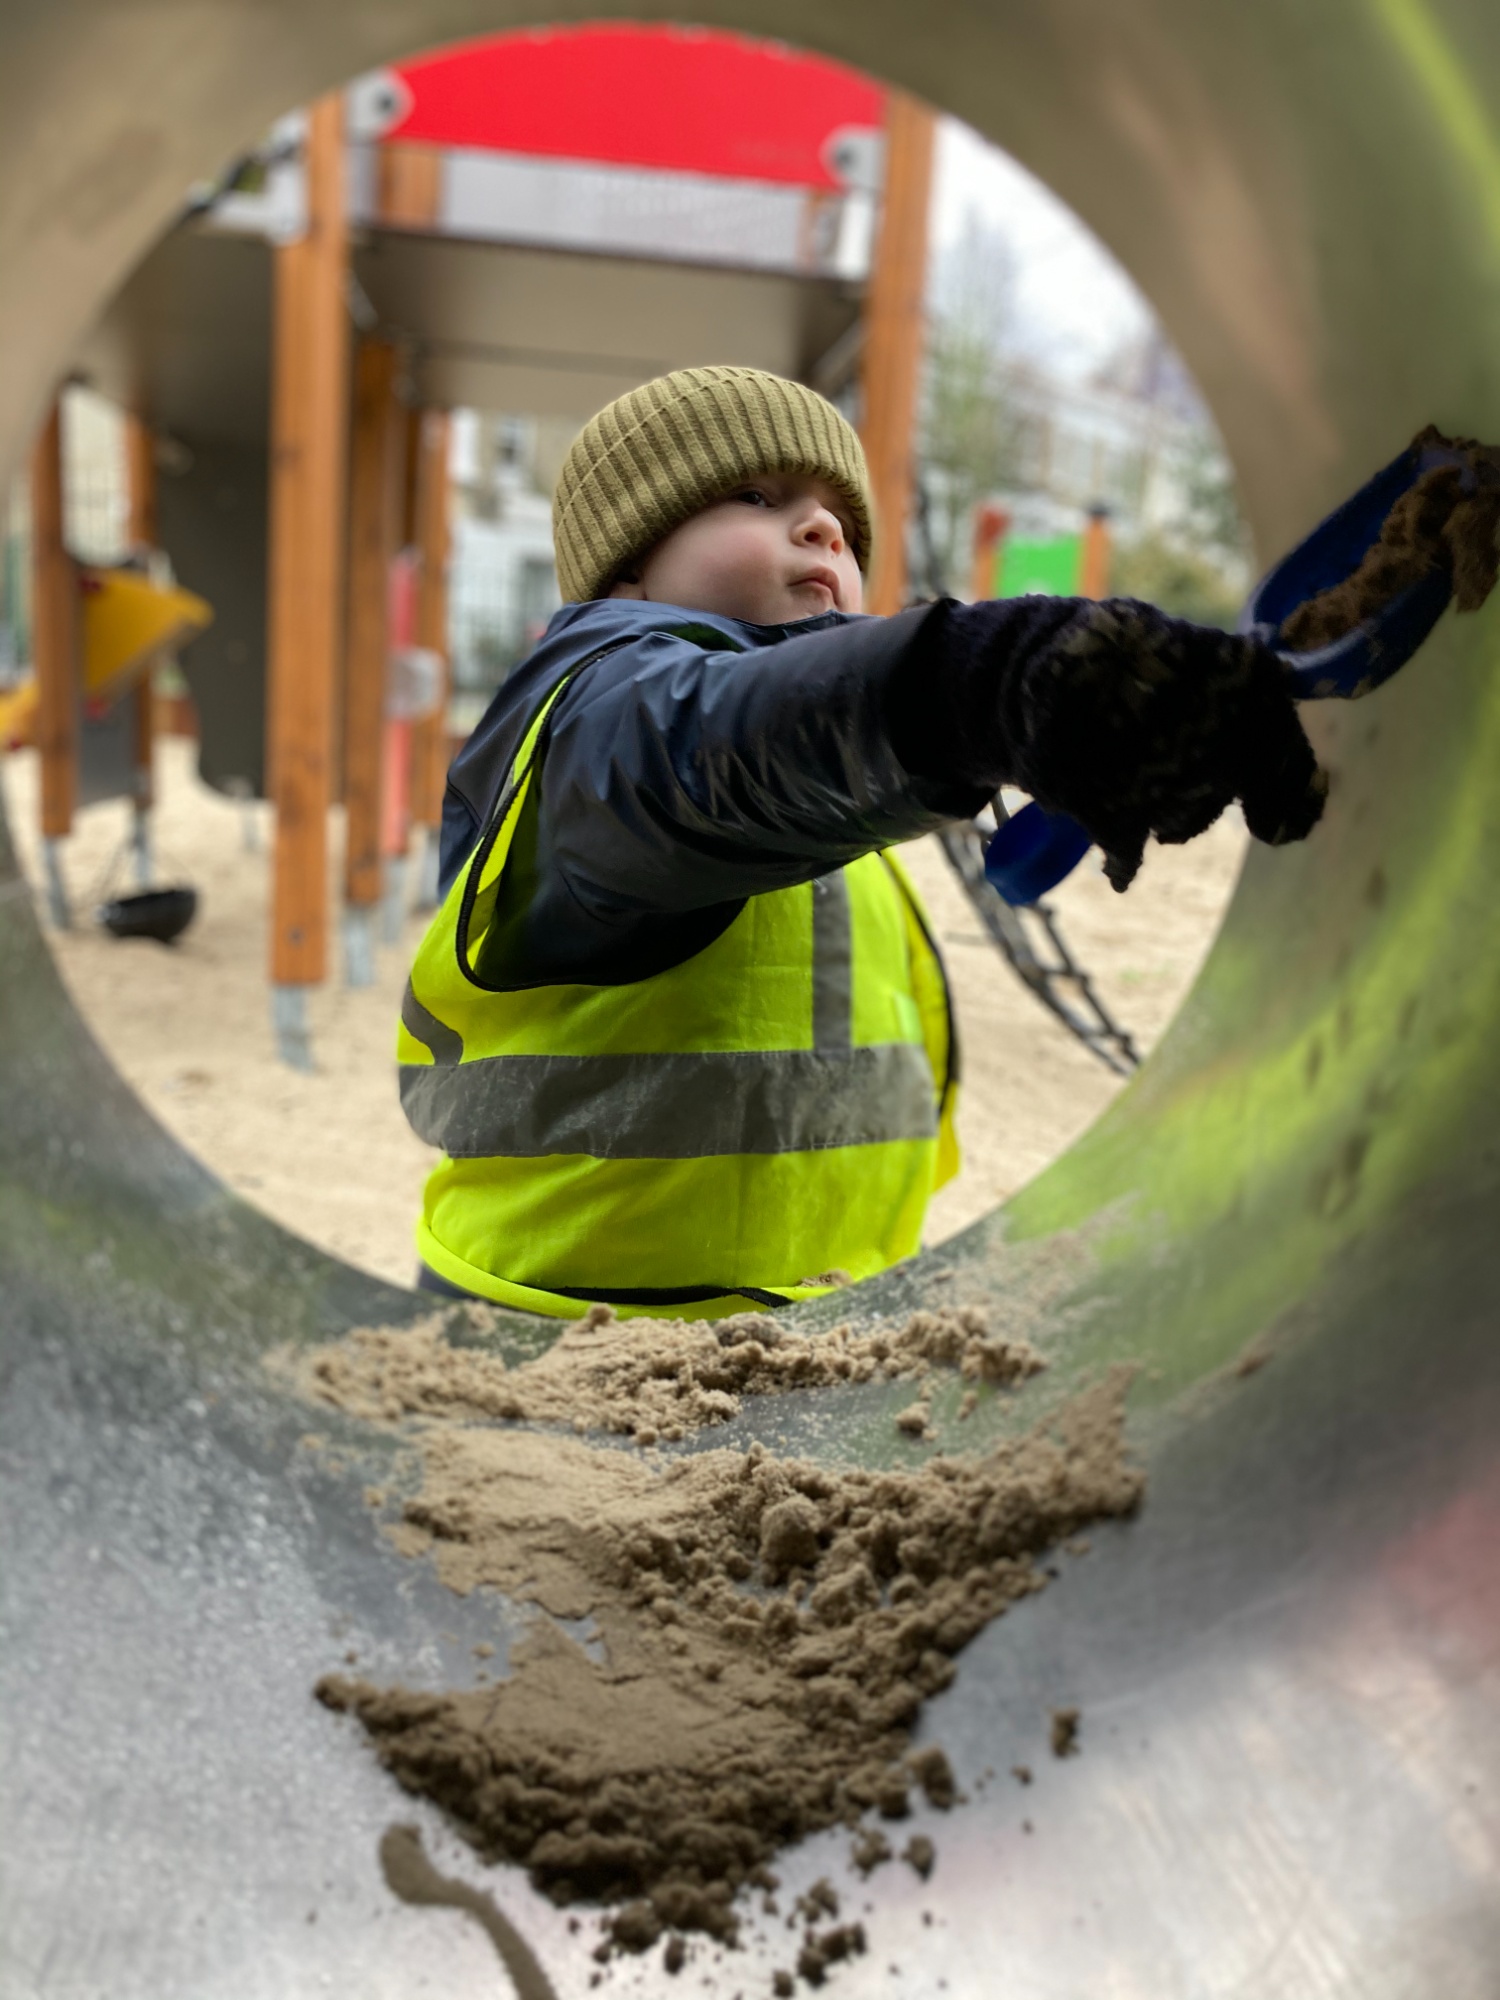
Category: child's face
[776,549]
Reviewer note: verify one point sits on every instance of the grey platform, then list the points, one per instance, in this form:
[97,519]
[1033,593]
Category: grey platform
[1289,1668]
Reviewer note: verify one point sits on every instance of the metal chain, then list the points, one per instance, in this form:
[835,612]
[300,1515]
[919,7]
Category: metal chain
[1022,934]
[1032,943]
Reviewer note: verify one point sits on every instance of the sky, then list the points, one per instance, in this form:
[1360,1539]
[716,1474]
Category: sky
[1070,294]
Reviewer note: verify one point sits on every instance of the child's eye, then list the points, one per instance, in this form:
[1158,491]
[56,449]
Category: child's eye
[753,497]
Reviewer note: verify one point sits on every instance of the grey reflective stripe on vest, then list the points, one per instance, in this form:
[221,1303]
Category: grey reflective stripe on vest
[446,1044]
[685,1106]
[832,965]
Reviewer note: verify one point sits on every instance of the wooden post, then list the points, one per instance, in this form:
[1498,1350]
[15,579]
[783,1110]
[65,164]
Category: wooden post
[1093,563]
[429,751]
[374,524]
[401,620]
[54,647]
[141,534]
[990,526]
[411,469]
[894,339]
[140,484]
[309,384]
[408,185]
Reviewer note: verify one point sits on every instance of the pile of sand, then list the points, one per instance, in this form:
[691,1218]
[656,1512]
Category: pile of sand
[769,1629]
[650,1379]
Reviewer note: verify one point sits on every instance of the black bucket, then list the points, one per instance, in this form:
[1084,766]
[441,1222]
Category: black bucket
[163,914]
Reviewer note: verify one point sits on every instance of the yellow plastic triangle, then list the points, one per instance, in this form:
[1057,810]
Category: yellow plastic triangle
[128,621]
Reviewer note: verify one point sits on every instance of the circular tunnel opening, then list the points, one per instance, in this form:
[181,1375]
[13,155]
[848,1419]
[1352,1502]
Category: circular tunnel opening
[1048,387]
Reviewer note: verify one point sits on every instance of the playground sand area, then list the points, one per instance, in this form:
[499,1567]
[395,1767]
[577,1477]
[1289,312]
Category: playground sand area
[330,1156]
[766,1631]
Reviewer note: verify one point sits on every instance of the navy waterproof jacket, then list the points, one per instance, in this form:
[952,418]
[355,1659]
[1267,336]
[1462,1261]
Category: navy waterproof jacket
[693,761]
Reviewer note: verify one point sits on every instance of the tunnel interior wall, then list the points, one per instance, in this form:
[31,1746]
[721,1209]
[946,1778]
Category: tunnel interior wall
[1286,1224]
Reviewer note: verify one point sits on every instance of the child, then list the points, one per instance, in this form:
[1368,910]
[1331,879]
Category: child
[680,1027]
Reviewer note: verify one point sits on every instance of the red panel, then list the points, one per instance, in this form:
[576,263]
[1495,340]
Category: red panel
[685,99]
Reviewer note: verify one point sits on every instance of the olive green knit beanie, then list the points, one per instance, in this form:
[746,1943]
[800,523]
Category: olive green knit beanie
[654,457]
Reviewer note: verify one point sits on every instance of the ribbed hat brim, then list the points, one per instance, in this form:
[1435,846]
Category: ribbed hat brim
[652,458]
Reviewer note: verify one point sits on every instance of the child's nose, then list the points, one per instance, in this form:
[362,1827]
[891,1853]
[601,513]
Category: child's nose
[824,527]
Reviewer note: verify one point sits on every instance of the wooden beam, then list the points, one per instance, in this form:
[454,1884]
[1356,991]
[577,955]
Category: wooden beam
[374,525]
[991,524]
[395,801]
[411,467]
[141,533]
[396,844]
[895,335]
[309,386]
[408,185]
[1094,557]
[140,484]
[430,735]
[54,632]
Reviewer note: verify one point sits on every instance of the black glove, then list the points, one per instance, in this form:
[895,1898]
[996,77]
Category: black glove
[1135,723]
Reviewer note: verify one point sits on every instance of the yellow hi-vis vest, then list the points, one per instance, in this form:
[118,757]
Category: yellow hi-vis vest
[777,1108]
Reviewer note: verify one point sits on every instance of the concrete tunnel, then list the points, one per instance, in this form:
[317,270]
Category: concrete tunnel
[1290,1664]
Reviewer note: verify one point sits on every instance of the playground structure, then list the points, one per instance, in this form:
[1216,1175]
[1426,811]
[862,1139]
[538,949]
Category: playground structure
[97,632]
[1289,1669]
[529,223]
[1007,565]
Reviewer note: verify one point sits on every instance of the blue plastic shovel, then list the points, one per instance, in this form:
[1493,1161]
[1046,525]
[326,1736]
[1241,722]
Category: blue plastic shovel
[1034,849]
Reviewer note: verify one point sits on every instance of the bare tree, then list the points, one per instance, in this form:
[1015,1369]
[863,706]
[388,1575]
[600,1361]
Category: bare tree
[1194,560]
[970,428]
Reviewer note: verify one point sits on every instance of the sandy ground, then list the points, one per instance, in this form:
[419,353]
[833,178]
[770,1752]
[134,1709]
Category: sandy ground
[330,1156]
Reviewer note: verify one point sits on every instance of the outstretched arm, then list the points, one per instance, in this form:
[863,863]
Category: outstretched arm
[679,779]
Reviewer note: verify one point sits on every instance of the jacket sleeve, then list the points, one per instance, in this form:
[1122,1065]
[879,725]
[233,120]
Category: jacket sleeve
[678,781]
